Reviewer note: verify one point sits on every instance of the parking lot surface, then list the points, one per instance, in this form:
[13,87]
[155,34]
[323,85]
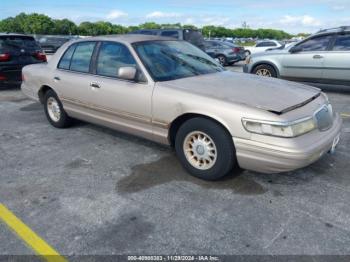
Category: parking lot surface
[92,190]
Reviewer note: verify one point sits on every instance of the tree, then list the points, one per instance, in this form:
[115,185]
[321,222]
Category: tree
[42,24]
[37,24]
[150,25]
[64,27]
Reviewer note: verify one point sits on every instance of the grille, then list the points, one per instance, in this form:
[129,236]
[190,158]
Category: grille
[324,117]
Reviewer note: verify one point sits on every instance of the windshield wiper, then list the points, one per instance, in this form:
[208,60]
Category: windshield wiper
[219,68]
[182,62]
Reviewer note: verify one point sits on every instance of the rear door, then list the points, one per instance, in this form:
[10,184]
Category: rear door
[337,61]
[211,48]
[308,63]
[73,76]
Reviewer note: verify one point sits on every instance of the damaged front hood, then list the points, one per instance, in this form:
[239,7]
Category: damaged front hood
[271,94]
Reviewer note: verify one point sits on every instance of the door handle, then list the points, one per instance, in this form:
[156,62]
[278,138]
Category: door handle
[56,78]
[95,85]
[317,56]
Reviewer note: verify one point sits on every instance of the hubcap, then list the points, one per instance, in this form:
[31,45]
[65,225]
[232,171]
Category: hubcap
[263,72]
[221,60]
[53,109]
[200,150]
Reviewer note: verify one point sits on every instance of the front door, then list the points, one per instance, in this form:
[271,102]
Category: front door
[306,64]
[124,104]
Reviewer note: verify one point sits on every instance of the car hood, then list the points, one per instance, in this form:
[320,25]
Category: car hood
[271,94]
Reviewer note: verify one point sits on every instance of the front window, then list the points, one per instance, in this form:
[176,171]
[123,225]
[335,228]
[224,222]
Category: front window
[111,57]
[319,43]
[169,60]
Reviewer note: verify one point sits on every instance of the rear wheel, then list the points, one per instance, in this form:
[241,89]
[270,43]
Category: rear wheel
[54,110]
[265,70]
[222,60]
[205,149]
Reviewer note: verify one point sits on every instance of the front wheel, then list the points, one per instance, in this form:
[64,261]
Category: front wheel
[205,149]
[265,70]
[54,110]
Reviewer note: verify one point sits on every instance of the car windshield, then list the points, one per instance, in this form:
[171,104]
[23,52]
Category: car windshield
[169,60]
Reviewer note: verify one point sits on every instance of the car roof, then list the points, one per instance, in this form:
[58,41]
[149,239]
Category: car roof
[129,38]
[14,34]
[334,30]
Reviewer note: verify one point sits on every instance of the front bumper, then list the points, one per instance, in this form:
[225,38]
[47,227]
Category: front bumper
[267,158]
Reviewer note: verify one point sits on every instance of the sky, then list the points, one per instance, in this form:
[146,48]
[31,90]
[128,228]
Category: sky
[293,16]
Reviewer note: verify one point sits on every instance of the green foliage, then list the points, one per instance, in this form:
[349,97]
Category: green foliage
[219,31]
[42,24]
[64,27]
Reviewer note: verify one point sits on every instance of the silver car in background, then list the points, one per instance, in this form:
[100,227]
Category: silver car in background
[323,59]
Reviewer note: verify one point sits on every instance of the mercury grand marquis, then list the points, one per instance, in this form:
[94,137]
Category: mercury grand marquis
[171,92]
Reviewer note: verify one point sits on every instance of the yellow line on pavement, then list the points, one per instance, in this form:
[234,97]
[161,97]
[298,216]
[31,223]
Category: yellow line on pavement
[345,115]
[29,237]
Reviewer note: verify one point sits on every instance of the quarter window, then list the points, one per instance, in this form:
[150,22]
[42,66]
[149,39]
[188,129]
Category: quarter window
[82,57]
[342,43]
[65,60]
[111,57]
[319,43]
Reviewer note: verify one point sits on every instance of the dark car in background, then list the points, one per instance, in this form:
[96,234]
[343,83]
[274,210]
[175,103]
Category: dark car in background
[226,53]
[193,36]
[50,43]
[16,51]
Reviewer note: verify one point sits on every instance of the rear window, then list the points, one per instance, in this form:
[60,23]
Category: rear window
[173,34]
[266,44]
[342,43]
[82,57]
[18,42]
[65,60]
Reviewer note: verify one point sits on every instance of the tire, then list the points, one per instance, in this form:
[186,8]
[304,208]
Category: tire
[222,60]
[52,105]
[221,144]
[265,70]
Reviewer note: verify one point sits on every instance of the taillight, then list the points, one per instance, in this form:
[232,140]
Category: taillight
[2,77]
[41,56]
[235,49]
[22,77]
[5,57]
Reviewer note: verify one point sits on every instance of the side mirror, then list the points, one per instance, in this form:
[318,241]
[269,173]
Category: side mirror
[127,72]
[295,49]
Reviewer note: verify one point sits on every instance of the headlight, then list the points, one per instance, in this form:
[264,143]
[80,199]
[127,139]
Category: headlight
[280,129]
